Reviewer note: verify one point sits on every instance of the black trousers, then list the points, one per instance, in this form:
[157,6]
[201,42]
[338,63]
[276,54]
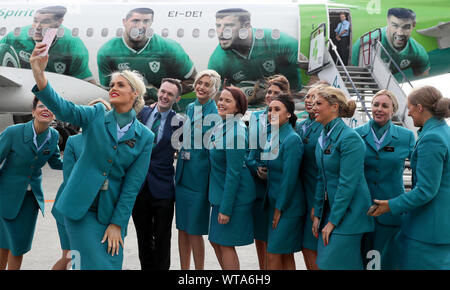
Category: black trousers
[153,221]
[343,48]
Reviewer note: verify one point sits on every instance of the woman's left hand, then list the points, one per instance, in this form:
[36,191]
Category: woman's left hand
[276,218]
[114,237]
[326,233]
[223,219]
[383,207]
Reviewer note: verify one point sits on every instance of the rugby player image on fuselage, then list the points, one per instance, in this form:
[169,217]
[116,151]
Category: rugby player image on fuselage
[396,38]
[246,54]
[140,49]
[67,55]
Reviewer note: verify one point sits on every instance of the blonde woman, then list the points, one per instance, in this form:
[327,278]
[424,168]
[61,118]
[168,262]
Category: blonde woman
[192,172]
[342,196]
[387,147]
[99,196]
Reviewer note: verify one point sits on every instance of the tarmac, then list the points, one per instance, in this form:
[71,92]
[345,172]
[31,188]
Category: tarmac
[46,247]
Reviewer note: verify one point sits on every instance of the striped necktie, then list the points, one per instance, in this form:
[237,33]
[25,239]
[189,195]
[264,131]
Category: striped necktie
[155,125]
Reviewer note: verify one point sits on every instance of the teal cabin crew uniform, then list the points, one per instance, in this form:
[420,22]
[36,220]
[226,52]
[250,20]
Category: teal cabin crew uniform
[342,197]
[192,172]
[21,194]
[67,55]
[267,56]
[285,192]
[106,179]
[72,152]
[387,148]
[231,186]
[259,129]
[158,59]
[413,55]
[309,131]
[425,239]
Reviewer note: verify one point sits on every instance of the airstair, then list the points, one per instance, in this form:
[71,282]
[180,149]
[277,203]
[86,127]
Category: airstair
[361,82]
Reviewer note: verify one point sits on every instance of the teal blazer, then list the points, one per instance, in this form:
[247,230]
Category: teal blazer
[22,165]
[124,163]
[230,181]
[72,152]
[341,163]
[192,172]
[308,168]
[426,207]
[258,120]
[384,168]
[284,188]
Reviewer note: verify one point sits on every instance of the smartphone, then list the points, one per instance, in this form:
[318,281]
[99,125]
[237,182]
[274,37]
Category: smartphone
[48,39]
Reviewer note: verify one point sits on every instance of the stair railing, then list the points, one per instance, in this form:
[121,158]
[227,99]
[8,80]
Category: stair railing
[339,60]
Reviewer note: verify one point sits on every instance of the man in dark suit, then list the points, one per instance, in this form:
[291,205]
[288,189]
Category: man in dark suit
[154,208]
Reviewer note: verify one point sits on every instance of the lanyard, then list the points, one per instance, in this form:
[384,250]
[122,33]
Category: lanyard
[324,139]
[380,141]
[305,128]
[35,139]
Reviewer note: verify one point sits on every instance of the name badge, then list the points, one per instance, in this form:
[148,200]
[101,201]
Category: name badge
[328,150]
[46,152]
[105,185]
[306,140]
[388,149]
[185,155]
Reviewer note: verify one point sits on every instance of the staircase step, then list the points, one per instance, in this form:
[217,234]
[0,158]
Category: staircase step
[361,84]
[357,77]
[353,68]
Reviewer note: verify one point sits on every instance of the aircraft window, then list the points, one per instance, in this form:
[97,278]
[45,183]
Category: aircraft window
[180,33]
[17,31]
[119,32]
[243,33]
[60,32]
[165,32]
[105,32]
[227,33]
[90,32]
[196,33]
[275,34]
[211,33]
[149,33]
[31,32]
[259,34]
[2,31]
[75,32]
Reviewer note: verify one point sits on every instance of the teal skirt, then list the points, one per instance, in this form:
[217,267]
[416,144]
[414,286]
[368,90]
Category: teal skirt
[17,234]
[309,240]
[85,237]
[383,241]
[287,237]
[343,252]
[63,237]
[237,232]
[416,255]
[192,210]
[260,220]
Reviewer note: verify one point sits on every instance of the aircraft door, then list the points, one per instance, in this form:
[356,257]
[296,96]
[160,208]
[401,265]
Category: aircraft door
[344,45]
